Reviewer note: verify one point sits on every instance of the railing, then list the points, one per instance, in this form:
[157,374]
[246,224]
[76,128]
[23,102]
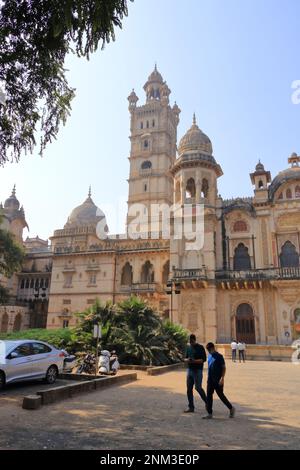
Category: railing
[140,287]
[260,274]
[189,274]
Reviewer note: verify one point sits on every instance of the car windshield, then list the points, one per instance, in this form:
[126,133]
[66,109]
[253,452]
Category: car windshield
[5,347]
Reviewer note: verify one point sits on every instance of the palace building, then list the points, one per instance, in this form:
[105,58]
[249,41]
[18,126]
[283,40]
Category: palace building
[243,283]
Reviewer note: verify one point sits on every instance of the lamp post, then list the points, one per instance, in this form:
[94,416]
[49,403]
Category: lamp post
[172,287]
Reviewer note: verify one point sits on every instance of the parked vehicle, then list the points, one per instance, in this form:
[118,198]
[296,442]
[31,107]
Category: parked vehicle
[108,363]
[88,365]
[28,359]
[70,361]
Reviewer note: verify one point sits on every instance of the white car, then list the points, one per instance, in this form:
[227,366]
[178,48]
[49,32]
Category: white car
[27,360]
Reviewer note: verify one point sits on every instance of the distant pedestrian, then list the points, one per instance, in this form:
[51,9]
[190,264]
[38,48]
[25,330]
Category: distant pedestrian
[195,358]
[241,349]
[233,350]
[215,381]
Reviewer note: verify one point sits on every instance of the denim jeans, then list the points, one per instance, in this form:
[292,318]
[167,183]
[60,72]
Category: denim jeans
[194,378]
[233,354]
[213,386]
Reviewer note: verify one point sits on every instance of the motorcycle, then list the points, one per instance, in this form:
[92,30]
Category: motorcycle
[108,363]
[88,365]
[70,361]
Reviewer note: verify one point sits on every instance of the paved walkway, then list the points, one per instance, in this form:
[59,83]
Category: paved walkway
[147,414]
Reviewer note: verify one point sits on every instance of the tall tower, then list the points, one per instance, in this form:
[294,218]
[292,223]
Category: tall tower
[153,135]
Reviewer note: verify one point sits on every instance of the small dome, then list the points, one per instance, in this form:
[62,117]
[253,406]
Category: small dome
[259,167]
[85,214]
[290,174]
[12,202]
[155,76]
[195,139]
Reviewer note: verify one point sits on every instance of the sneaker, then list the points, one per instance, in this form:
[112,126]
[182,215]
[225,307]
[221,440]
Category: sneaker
[189,410]
[209,416]
[232,412]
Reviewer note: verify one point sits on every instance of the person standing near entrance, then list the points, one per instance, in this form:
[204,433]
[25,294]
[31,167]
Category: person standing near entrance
[241,349]
[195,358]
[215,381]
[233,350]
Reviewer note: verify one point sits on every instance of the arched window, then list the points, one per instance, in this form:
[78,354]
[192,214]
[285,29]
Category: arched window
[166,271]
[32,284]
[22,284]
[297,321]
[241,260]
[146,165]
[147,274]
[153,123]
[177,192]
[146,144]
[240,226]
[27,284]
[145,188]
[260,184]
[147,124]
[127,275]
[204,188]
[297,191]
[289,193]
[190,188]
[17,322]
[4,323]
[280,196]
[245,325]
[289,257]
[142,125]
[37,284]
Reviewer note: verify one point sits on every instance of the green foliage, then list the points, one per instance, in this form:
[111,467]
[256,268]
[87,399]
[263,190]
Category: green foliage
[131,327]
[11,258]
[61,338]
[134,330]
[35,37]
[11,253]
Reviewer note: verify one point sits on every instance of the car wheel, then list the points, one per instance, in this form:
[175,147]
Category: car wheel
[2,380]
[51,375]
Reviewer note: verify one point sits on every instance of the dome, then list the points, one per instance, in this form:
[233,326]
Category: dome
[195,139]
[259,167]
[85,214]
[12,202]
[290,174]
[155,76]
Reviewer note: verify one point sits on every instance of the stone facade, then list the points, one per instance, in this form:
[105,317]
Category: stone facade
[243,282]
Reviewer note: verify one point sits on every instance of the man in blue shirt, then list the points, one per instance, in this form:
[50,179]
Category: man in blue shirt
[215,381]
[195,358]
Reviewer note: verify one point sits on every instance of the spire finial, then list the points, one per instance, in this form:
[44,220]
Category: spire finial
[194,119]
[90,191]
[13,193]
[155,67]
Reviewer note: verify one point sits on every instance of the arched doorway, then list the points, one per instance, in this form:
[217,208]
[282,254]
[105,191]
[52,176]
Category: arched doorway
[17,322]
[289,258]
[245,324]
[296,322]
[241,261]
[4,323]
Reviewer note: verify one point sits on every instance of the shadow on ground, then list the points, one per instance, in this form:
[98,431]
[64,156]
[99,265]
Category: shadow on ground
[143,417]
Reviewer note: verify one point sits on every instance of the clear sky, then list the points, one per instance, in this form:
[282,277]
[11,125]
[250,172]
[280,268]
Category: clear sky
[232,62]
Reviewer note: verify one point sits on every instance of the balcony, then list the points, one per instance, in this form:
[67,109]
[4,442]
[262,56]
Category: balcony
[141,287]
[259,274]
[190,278]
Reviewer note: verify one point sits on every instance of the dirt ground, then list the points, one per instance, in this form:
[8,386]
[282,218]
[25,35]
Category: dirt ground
[148,414]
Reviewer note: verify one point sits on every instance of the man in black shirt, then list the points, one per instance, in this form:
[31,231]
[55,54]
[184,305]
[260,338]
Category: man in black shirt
[195,358]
